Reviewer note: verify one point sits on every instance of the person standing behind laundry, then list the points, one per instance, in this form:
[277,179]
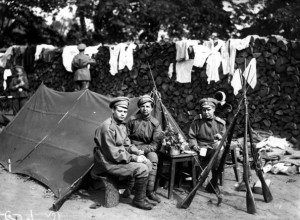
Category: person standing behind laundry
[18,88]
[82,75]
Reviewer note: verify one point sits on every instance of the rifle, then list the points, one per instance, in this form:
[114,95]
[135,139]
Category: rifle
[189,198]
[249,195]
[257,166]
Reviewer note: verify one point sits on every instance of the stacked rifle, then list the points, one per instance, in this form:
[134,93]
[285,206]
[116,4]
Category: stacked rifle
[250,202]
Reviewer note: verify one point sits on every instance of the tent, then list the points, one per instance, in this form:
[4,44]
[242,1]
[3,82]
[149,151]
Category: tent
[51,138]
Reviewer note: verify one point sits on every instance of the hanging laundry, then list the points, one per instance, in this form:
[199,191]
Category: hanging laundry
[184,71]
[236,81]
[29,59]
[171,70]
[6,56]
[236,44]
[39,49]
[250,73]
[18,55]
[91,50]
[126,56]
[6,73]
[225,58]
[68,54]
[114,52]
[182,49]
[209,53]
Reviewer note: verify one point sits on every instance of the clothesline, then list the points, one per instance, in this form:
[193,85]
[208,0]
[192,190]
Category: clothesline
[189,53]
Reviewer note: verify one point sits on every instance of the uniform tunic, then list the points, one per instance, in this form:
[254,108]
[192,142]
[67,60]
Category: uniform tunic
[202,132]
[80,67]
[145,133]
[111,155]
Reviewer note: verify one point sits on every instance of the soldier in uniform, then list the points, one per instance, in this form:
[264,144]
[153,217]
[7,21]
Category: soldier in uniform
[82,75]
[145,133]
[115,155]
[204,134]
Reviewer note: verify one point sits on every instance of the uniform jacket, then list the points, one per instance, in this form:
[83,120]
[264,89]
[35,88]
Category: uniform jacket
[202,130]
[22,91]
[112,145]
[145,133]
[80,67]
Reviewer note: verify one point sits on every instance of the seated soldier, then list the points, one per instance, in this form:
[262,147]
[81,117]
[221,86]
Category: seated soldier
[204,134]
[114,155]
[145,132]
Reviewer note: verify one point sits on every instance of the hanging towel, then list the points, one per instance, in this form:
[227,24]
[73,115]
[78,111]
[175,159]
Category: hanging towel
[201,54]
[184,71]
[171,70]
[91,50]
[6,56]
[182,49]
[225,58]
[39,49]
[114,52]
[6,73]
[126,56]
[250,73]
[236,81]
[68,54]
[236,44]
[212,67]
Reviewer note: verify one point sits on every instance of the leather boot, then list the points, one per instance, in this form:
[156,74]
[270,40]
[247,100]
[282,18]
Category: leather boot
[152,195]
[140,194]
[130,185]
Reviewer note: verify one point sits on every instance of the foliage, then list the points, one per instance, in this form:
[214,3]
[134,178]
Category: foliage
[19,25]
[278,17]
[173,140]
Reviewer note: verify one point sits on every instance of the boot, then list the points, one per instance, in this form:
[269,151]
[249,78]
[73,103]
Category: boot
[213,187]
[140,194]
[152,195]
[150,186]
[130,185]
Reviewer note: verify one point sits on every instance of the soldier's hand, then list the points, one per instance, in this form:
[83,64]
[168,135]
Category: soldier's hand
[218,136]
[141,159]
[196,148]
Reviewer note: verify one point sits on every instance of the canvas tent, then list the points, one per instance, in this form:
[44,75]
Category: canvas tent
[51,138]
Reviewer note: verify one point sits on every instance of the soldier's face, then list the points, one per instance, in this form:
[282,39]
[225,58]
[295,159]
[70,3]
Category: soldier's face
[208,112]
[119,113]
[146,109]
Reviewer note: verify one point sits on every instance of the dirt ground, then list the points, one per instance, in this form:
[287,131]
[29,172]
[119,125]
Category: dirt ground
[24,198]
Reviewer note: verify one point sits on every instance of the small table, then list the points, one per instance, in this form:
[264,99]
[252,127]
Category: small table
[174,159]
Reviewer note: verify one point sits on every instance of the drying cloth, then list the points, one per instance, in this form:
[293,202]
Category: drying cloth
[225,58]
[126,56]
[91,50]
[184,71]
[236,44]
[7,73]
[171,70]
[68,54]
[114,52]
[209,53]
[201,54]
[236,81]
[250,73]
[6,56]
[39,49]
[182,49]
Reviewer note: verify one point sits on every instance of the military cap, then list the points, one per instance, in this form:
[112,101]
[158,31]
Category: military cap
[143,99]
[120,101]
[81,46]
[208,102]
